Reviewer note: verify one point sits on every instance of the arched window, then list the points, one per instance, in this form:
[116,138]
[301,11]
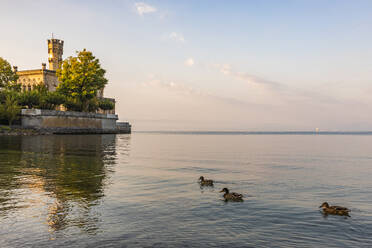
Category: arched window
[29,87]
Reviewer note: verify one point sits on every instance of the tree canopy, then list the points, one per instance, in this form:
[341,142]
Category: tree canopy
[81,78]
[8,78]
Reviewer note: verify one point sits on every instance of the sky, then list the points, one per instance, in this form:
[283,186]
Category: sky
[213,65]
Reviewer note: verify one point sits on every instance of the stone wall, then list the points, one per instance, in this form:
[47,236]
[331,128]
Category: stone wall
[68,121]
[123,127]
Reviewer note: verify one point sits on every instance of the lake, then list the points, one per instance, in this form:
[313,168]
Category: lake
[141,190]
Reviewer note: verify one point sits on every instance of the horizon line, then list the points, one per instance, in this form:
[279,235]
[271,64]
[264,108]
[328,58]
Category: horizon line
[257,132]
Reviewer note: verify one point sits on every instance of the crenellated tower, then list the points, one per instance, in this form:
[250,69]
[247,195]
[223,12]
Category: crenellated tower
[55,51]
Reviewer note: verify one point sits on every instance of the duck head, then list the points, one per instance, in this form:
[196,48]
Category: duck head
[201,178]
[226,190]
[324,205]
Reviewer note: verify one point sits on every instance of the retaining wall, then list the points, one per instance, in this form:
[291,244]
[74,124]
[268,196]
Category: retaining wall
[68,121]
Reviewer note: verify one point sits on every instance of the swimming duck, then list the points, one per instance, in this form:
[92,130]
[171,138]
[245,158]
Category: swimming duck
[205,182]
[336,210]
[231,196]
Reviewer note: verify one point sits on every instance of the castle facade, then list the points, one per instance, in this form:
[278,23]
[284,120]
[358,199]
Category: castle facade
[30,78]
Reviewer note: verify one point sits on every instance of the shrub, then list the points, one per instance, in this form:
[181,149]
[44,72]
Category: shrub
[10,109]
[51,100]
[30,98]
[106,104]
[72,104]
[4,129]
[93,105]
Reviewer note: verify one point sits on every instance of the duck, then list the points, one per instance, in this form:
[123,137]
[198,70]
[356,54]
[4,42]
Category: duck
[335,210]
[231,196]
[205,182]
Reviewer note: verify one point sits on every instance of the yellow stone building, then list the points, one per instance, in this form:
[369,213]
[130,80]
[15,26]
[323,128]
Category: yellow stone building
[31,78]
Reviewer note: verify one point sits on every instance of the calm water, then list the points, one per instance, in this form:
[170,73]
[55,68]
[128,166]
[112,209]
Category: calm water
[140,190]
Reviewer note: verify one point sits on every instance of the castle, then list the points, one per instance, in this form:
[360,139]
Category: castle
[31,78]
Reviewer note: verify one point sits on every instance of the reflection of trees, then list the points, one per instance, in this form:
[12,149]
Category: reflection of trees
[71,170]
[74,171]
[10,148]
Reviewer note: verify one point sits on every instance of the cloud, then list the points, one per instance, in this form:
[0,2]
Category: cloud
[143,8]
[175,87]
[177,37]
[185,90]
[189,62]
[181,106]
[227,70]
[281,90]
[186,106]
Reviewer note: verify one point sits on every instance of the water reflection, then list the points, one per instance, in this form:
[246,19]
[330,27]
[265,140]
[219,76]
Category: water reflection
[62,178]
[105,191]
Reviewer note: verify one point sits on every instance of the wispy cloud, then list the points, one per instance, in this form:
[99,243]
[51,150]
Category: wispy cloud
[189,62]
[143,8]
[281,90]
[171,85]
[177,37]
[228,70]
[183,89]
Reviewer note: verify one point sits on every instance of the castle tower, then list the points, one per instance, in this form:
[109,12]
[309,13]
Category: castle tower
[55,51]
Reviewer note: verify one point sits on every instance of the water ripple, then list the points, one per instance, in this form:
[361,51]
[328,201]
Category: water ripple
[141,190]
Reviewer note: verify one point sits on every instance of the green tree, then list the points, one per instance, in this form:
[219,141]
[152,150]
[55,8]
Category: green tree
[81,78]
[10,109]
[8,78]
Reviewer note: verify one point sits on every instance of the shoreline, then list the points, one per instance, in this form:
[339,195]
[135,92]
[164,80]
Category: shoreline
[18,131]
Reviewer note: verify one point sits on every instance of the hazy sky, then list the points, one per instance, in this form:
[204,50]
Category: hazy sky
[209,64]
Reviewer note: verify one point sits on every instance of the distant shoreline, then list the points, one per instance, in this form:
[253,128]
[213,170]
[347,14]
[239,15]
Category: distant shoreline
[260,132]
